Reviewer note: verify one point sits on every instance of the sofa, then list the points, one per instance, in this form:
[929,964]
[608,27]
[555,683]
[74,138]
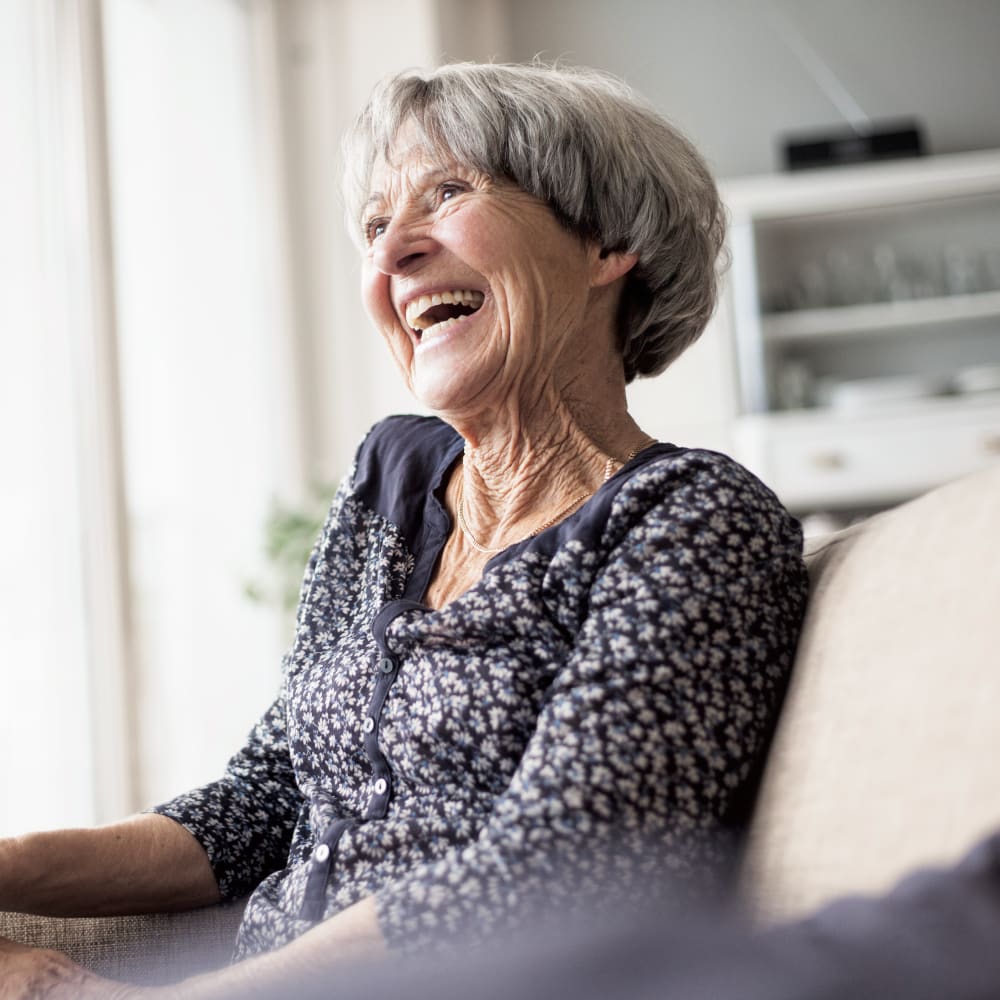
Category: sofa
[886,756]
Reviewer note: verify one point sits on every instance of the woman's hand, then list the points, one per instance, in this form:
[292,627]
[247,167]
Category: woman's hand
[30,973]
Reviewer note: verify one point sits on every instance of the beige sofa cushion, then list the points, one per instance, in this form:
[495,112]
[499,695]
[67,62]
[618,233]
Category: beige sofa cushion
[887,754]
[152,948]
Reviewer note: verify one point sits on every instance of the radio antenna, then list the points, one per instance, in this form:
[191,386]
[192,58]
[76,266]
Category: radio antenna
[820,72]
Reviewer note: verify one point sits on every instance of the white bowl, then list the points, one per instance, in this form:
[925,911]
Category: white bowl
[865,393]
[979,378]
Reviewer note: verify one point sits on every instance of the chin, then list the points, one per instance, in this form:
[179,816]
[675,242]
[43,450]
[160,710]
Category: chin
[442,396]
[437,399]
[443,385]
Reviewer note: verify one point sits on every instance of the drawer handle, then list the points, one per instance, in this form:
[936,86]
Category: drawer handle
[828,460]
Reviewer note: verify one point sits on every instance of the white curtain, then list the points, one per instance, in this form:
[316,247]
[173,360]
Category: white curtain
[148,399]
[206,366]
[45,720]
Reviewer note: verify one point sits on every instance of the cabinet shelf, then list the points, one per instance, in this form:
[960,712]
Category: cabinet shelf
[824,460]
[886,317]
[809,416]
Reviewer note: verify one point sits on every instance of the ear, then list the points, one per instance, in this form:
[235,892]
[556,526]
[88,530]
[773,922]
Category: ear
[607,266]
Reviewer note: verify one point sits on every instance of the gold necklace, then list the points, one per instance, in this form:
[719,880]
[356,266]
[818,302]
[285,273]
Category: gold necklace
[463,524]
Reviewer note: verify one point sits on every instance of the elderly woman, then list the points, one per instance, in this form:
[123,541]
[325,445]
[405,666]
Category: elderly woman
[538,652]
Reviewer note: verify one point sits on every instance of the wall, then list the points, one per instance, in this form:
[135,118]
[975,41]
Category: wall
[722,70]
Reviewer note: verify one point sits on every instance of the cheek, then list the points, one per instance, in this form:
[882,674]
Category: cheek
[375,296]
[476,238]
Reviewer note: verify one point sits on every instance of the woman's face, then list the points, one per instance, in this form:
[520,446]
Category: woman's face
[480,293]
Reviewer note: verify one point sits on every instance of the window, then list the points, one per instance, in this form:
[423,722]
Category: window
[45,719]
[149,415]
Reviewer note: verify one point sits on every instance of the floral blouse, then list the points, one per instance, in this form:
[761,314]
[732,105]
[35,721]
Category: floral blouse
[597,704]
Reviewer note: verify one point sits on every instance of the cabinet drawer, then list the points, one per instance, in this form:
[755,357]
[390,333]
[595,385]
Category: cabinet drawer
[817,462]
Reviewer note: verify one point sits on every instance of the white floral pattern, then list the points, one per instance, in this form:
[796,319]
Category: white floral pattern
[607,686]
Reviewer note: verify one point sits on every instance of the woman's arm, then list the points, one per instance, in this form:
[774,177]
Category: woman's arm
[140,865]
[213,843]
[146,863]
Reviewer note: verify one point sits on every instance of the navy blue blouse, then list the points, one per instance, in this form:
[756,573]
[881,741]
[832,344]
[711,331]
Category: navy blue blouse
[606,686]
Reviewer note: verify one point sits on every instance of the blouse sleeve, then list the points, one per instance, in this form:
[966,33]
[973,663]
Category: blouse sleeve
[652,727]
[245,819]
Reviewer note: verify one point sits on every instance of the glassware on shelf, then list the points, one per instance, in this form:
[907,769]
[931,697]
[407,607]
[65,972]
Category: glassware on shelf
[884,273]
[795,385]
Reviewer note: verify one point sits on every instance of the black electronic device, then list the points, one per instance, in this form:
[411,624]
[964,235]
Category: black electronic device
[880,141]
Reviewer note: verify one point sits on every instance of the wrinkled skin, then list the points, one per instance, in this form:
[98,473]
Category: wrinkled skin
[36,973]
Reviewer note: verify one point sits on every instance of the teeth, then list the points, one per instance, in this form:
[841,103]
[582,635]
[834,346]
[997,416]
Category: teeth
[416,308]
[432,333]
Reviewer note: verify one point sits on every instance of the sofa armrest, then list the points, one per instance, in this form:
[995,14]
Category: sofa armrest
[149,948]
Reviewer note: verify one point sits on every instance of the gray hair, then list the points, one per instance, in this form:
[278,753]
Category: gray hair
[606,163]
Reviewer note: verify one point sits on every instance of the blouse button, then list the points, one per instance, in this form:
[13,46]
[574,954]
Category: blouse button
[369,725]
[321,853]
[381,786]
[387,666]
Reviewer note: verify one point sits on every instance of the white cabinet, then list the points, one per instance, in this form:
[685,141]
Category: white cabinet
[864,310]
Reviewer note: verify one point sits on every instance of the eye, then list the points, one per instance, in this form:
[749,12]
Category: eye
[447,190]
[374,228]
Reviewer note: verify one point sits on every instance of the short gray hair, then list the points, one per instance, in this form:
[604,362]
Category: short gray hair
[608,165]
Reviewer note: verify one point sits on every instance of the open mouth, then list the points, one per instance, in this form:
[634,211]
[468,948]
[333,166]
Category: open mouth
[439,311]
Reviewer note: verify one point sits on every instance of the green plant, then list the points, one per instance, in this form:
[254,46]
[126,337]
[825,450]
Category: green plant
[289,535]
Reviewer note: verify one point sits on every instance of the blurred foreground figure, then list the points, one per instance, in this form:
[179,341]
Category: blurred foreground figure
[936,935]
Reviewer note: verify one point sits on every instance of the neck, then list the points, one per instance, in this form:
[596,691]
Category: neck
[575,411]
[518,477]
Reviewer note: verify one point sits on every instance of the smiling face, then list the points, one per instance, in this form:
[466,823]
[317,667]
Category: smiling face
[484,298]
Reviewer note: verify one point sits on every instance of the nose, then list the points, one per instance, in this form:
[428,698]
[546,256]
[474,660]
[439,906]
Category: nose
[402,246]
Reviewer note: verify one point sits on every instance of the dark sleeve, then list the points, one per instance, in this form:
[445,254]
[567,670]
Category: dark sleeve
[936,934]
[654,722]
[245,820]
